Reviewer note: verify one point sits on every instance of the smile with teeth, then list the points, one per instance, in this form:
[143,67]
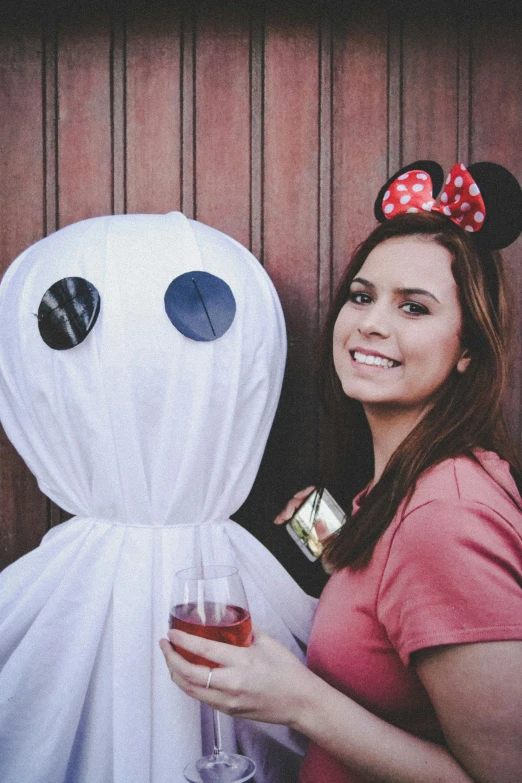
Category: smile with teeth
[378,361]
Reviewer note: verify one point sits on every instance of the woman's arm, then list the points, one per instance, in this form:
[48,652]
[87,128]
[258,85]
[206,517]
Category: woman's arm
[266,682]
[476,690]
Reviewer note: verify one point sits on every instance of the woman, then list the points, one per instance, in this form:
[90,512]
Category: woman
[416,650]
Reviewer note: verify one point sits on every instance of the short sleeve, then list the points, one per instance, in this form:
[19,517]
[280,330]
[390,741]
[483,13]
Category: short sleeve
[453,575]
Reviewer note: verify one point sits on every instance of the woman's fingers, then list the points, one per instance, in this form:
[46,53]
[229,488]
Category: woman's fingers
[292,505]
[192,679]
[303,493]
[220,653]
[187,676]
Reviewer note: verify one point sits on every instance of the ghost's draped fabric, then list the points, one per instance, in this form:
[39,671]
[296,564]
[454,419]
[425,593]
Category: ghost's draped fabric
[152,441]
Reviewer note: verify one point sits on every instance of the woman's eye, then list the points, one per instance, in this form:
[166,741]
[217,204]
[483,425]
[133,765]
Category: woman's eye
[414,308]
[359,297]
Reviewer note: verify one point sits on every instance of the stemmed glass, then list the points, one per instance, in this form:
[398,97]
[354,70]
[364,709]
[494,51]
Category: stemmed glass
[210,601]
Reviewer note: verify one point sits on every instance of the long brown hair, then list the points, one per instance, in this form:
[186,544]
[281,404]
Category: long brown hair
[466,411]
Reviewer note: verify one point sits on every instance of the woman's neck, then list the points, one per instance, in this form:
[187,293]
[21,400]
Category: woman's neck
[389,428]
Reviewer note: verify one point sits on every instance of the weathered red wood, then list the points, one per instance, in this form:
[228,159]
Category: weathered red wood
[118,97]
[291,167]
[223,118]
[49,45]
[360,127]
[188,140]
[430,82]
[21,139]
[325,196]
[496,112]
[256,130]
[153,131]
[291,221]
[22,506]
[496,135]
[84,125]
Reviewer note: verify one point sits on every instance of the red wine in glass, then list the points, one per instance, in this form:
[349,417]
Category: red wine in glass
[210,601]
[219,622]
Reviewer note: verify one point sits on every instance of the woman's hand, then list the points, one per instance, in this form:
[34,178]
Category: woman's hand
[292,506]
[264,682]
[321,529]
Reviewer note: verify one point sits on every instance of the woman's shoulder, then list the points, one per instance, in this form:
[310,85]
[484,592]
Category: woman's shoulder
[453,565]
[463,511]
[485,480]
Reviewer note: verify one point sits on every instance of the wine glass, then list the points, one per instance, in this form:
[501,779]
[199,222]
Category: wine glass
[210,601]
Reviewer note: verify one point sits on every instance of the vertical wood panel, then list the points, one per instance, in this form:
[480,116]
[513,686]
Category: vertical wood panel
[464,89]
[21,139]
[55,515]
[50,122]
[223,118]
[325,224]
[360,127]
[497,105]
[291,219]
[118,126]
[22,507]
[430,78]
[23,510]
[395,85]
[257,53]
[153,110]
[496,113]
[188,110]
[84,124]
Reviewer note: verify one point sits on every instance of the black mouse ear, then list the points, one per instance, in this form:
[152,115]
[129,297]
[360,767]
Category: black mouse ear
[431,168]
[502,198]
[67,313]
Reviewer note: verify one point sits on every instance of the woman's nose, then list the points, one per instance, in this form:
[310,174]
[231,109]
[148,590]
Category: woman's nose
[374,322]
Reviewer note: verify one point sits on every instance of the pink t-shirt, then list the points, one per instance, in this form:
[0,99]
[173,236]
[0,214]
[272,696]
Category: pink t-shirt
[447,570]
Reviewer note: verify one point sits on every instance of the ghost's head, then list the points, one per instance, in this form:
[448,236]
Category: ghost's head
[141,360]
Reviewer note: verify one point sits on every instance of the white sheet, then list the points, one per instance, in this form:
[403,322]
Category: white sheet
[152,441]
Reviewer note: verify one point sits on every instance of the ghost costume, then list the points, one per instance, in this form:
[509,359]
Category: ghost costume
[151,440]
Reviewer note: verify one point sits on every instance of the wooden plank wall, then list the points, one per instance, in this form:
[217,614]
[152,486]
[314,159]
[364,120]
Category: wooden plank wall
[274,122]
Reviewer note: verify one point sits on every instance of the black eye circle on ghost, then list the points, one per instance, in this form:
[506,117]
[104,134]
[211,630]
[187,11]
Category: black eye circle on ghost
[67,313]
[201,306]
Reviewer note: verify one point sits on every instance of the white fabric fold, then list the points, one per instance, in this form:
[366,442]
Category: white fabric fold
[152,441]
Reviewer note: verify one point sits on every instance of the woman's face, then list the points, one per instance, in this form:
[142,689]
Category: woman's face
[397,338]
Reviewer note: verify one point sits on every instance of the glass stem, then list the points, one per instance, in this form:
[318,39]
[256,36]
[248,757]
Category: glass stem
[218,746]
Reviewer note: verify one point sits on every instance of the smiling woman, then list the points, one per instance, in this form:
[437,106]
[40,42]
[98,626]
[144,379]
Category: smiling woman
[420,292]
[390,323]
[416,644]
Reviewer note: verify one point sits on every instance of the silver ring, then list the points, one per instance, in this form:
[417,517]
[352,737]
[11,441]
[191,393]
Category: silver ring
[209,678]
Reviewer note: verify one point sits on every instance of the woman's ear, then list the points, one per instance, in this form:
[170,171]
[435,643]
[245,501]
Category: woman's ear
[463,362]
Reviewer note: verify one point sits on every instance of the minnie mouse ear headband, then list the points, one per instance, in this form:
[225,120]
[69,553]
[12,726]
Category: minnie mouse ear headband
[484,199]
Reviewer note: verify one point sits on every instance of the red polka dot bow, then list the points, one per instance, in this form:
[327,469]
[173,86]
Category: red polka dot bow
[460,199]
